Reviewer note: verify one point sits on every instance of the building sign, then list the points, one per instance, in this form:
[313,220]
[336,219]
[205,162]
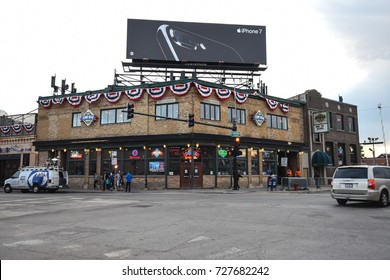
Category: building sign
[88,118]
[156,166]
[258,118]
[135,154]
[157,153]
[187,154]
[223,153]
[76,154]
[321,122]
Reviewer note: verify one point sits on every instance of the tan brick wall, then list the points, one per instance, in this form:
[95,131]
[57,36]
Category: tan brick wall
[55,123]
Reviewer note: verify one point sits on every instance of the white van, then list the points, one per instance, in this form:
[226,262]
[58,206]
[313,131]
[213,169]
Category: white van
[361,183]
[36,179]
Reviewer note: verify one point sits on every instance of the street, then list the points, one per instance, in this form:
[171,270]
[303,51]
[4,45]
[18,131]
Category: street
[190,224]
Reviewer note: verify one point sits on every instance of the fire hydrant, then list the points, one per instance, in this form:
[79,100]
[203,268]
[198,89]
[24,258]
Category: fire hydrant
[296,185]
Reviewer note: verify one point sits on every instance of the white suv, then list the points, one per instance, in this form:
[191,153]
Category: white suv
[361,183]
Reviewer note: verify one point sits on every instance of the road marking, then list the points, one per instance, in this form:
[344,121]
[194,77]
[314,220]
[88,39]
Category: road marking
[24,242]
[199,238]
[119,254]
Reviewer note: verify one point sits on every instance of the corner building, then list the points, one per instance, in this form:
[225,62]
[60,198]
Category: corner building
[90,133]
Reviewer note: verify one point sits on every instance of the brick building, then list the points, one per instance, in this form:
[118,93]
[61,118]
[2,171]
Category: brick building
[339,141]
[17,134]
[90,133]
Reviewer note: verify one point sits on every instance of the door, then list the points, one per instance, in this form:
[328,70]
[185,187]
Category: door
[189,176]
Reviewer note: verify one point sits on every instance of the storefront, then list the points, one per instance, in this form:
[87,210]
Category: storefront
[96,137]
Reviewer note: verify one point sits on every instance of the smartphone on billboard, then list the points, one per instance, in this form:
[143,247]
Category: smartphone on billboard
[178,44]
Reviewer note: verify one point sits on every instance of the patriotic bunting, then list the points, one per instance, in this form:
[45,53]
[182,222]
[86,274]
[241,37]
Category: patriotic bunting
[17,128]
[203,90]
[5,129]
[158,92]
[223,93]
[180,89]
[74,100]
[134,94]
[90,98]
[29,127]
[113,97]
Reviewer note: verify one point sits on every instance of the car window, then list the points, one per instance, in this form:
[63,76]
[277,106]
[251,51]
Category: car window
[357,173]
[16,175]
[379,172]
[387,173]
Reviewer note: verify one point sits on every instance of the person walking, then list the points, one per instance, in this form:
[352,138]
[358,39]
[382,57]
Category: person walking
[95,181]
[129,178]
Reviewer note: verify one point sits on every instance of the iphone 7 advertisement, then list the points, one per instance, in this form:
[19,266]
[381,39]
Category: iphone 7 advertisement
[196,42]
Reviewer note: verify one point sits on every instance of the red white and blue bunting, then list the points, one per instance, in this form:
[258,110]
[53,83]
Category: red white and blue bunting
[90,98]
[17,128]
[180,89]
[113,97]
[74,100]
[158,92]
[134,94]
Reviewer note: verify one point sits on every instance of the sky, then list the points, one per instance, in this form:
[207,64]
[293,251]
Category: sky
[338,47]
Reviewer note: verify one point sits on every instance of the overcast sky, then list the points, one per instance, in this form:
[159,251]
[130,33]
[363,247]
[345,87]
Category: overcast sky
[339,47]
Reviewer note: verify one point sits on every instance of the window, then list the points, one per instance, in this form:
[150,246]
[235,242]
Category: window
[170,110]
[76,162]
[239,114]
[339,122]
[279,122]
[76,119]
[111,116]
[351,124]
[210,112]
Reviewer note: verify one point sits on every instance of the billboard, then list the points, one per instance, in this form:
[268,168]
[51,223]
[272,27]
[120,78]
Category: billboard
[184,42]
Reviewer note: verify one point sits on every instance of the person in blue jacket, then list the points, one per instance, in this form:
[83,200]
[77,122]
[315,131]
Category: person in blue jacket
[129,178]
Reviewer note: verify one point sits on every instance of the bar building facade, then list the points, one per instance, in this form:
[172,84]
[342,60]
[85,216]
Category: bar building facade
[90,133]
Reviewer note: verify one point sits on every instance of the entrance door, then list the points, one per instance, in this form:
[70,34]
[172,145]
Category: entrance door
[187,175]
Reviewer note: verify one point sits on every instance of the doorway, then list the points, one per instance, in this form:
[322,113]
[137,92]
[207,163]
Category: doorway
[189,176]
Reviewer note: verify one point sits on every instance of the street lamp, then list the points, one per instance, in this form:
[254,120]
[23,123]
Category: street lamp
[383,132]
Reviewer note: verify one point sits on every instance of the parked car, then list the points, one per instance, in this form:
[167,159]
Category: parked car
[361,183]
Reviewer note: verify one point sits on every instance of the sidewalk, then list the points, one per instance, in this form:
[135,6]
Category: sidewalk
[311,189]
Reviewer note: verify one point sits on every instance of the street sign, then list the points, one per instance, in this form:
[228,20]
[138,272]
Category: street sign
[235,134]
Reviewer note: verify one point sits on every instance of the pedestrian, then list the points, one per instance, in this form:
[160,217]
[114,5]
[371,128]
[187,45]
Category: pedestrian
[95,181]
[270,182]
[118,181]
[129,178]
[298,173]
[317,179]
[111,178]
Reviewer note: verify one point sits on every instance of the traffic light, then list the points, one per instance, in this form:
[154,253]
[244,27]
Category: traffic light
[236,148]
[191,121]
[130,111]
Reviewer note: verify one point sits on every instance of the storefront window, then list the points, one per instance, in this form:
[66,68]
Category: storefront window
[255,161]
[92,162]
[269,162]
[134,161]
[76,162]
[208,160]
[174,156]
[242,162]
[156,161]
[224,161]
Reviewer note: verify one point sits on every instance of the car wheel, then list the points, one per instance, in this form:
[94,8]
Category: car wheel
[7,189]
[36,189]
[383,199]
[341,201]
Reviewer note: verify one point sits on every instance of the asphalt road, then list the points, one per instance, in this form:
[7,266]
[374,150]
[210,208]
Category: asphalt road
[197,225]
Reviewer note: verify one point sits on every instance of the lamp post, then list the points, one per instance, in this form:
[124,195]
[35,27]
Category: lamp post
[383,132]
[372,141]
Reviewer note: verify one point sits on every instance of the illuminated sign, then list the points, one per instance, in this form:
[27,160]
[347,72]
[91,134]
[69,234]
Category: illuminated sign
[76,154]
[258,118]
[88,118]
[135,154]
[187,154]
[223,153]
[157,153]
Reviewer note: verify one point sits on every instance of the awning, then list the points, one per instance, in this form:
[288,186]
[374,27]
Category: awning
[321,159]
